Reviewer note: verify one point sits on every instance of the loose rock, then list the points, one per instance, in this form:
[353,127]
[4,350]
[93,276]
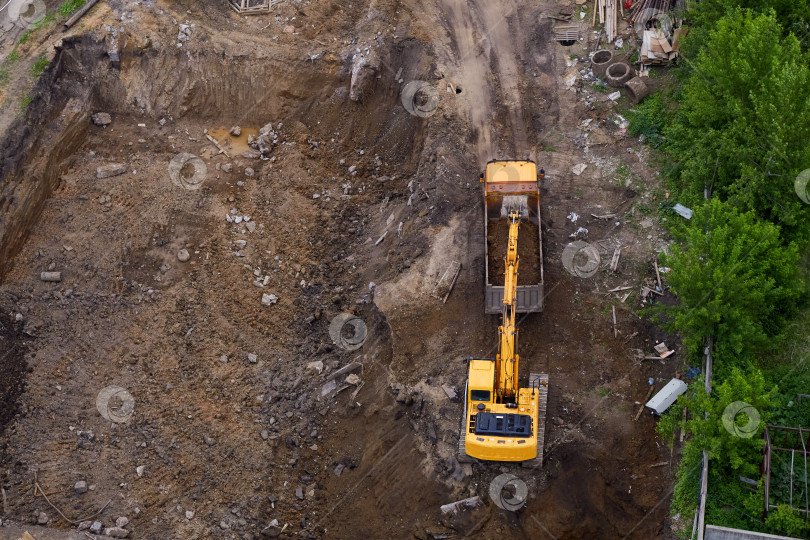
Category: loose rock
[121,522]
[236,131]
[113,169]
[42,518]
[183,255]
[95,528]
[116,532]
[314,368]
[80,487]
[102,119]
[269,299]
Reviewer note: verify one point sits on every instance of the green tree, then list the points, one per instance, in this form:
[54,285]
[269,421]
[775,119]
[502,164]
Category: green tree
[734,450]
[786,520]
[794,15]
[744,120]
[731,453]
[735,280]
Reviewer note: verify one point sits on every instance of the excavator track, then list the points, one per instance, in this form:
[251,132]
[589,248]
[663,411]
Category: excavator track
[539,380]
[463,457]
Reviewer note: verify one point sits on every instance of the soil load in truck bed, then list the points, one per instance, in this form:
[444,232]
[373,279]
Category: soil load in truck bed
[528,251]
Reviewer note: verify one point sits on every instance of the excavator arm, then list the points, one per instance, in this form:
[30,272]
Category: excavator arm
[507,358]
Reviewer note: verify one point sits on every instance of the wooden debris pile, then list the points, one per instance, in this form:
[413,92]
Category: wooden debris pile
[607,10]
[656,49]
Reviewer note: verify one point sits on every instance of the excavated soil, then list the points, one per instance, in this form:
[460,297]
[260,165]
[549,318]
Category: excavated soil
[254,420]
[528,251]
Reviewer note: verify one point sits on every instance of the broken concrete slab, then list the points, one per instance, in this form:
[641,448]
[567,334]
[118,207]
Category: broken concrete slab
[470,502]
[113,169]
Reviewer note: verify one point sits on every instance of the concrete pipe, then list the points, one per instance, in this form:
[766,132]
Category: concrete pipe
[637,89]
[619,73]
[600,61]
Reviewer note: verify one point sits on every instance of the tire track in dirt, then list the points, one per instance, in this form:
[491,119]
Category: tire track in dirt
[504,48]
[472,73]
[482,37]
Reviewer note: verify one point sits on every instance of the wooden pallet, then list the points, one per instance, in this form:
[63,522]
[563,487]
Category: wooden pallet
[566,33]
[535,380]
[253,7]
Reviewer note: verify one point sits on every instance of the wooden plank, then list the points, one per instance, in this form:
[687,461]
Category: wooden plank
[615,330]
[452,284]
[704,488]
[614,263]
[646,399]
[447,281]
[658,277]
[216,143]
[664,42]
[621,288]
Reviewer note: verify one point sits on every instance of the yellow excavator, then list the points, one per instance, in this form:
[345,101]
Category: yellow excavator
[501,421]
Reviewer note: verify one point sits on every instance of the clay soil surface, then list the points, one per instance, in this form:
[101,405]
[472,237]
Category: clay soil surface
[255,419]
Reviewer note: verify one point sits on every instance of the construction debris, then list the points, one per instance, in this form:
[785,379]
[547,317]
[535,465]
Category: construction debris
[682,211]
[471,502]
[656,48]
[445,285]
[614,263]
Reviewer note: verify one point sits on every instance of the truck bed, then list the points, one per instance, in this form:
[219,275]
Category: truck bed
[530,251]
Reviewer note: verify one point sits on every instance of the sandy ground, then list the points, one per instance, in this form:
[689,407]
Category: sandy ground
[357,210]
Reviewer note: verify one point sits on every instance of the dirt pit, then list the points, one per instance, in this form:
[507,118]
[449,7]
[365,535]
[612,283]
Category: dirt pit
[221,306]
[528,251]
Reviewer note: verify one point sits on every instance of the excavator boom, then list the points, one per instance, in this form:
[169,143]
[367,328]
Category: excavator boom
[507,359]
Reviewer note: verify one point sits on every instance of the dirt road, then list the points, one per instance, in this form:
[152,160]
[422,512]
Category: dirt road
[245,413]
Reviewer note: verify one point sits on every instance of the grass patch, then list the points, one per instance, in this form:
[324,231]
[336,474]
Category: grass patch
[24,37]
[12,57]
[549,149]
[67,8]
[601,87]
[48,18]
[649,119]
[39,66]
[25,103]
[5,77]
[578,192]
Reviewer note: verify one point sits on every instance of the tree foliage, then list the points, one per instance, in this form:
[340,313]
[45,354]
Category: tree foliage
[744,121]
[736,282]
[728,451]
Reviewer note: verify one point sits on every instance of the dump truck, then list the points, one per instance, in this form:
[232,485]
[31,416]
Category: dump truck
[500,421]
[513,184]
